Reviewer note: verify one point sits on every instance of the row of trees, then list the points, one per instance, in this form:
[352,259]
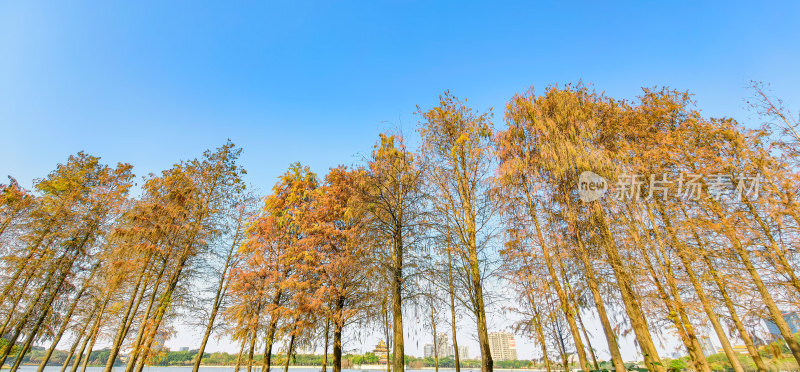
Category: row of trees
[721,257]
[83,259]
[417,232]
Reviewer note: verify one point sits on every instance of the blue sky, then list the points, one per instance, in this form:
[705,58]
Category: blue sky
[151,83]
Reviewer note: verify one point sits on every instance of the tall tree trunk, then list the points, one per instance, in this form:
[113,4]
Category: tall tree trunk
[78,340]
[140,336]
[593,284]
[435,340]
[575,305]
[628,294]
[79,356]
[95,333]
[66,321]
[680,249]
[398,359]
[675,304]
[698,360]
[273,327]
[289,350]
[780,256]
[239,356]
[453,309]
[127,319]
[744,256]
[325,353]
[386,328]
[537,324]
[45,305]
[748,341]
[562,349]
[31,309]
[337,346]
[253,340]
[220,295]
[586,335]
[569,313]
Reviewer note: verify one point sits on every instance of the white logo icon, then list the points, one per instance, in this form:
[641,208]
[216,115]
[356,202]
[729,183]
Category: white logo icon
[591,186]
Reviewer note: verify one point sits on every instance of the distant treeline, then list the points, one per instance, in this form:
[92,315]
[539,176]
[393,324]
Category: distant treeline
[186,358]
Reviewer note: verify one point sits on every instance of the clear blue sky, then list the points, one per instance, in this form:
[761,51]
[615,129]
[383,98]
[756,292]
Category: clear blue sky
[151,83]
[154,82]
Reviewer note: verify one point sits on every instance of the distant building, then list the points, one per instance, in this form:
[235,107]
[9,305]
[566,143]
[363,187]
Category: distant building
[184,348]
[427,350]
[443,346]
[706,346]
[463,352]
[502,346]
[792,318]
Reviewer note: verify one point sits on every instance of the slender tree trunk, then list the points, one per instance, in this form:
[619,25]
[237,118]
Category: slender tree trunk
[569,313]
[46,304]
[775,313]
[398,360]
[273,327]
[220,295]
[337,347]
[127,319]
[239,356]
[78,340]
[137,345]
[79,357]
[748,341]
[562,349]
[66,321]
[253,341]
[435,339]
[588,342]
[33,307]
[593,284]
[92,341]
[386,330]
[680,249]
[487,364]
[537,324]
[575,305]
[26,346]
[325,353]
[780,256]
[453,309]
[628,294]
[695,354]
[289,350]
[675,304]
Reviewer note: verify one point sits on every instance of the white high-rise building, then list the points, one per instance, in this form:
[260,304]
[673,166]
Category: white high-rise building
[427,351]
[443,346]
[502,346]
[463,352]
